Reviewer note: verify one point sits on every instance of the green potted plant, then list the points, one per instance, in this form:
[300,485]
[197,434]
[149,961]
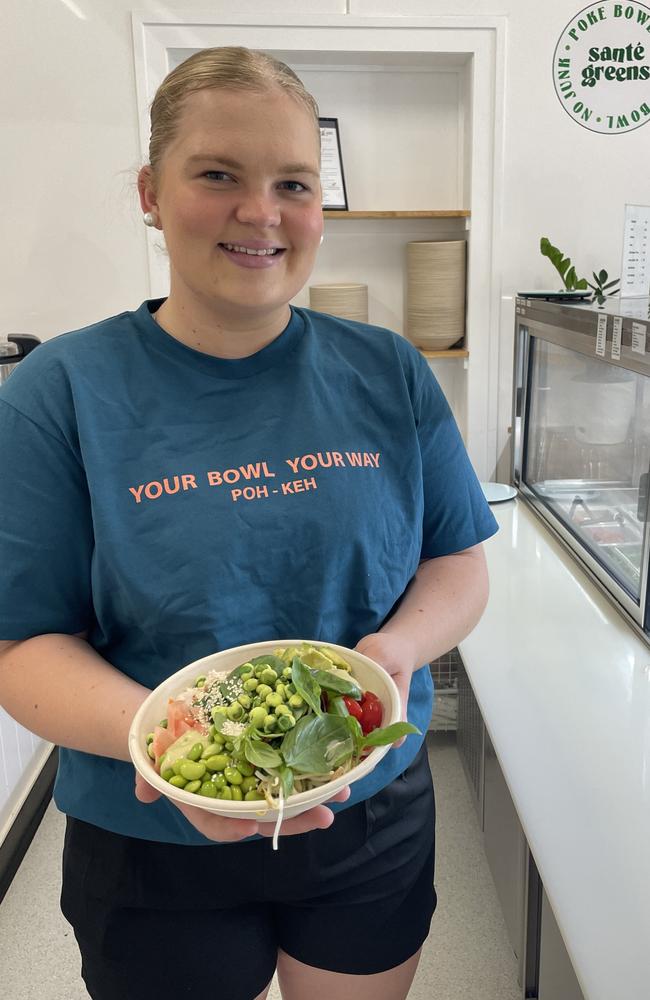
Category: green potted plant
[601,288]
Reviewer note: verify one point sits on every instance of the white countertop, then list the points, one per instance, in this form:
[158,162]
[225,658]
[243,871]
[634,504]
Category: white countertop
[563,684]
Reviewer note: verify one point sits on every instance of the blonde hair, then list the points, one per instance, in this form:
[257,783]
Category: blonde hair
[225,68]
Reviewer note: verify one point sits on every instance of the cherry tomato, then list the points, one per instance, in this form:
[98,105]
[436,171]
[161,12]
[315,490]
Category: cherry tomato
[371,712]
[353,707]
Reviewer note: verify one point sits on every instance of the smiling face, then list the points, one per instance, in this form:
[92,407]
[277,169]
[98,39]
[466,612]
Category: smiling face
[238,198]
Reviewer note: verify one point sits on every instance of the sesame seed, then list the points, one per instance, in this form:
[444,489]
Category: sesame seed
[231,728]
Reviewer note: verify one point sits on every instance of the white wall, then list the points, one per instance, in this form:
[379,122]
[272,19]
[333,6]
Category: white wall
[22,755]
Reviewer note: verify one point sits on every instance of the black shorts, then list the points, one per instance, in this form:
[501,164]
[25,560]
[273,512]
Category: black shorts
[156,919]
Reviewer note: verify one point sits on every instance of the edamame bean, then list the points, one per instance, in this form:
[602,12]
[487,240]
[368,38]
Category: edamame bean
[195,752]
[263,690]
[219,762]
[209,789]
[245,700]
[178,781]
[177,764]
[253,796]
[193,786]
[234,711]
[200,681]
[151,752]
[282,709]
[167,774]
[192,770]
[150,738]
[248,784]
[245,767]
[269,723]
[269,676]
[233,776]
[296,701]
[229,746]
[257,716]
[224,793]
[219,781]
[251,684]
[210,750]
[237,794]
[273,700]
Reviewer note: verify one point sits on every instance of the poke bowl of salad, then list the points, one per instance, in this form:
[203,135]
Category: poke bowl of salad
[267,730]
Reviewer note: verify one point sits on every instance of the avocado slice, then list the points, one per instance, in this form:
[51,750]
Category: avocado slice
[322,657]
[313,657]
[287,654]
[181,747]
[332,655]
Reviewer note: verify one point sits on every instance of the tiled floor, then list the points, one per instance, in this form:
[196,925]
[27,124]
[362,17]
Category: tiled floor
[467,954]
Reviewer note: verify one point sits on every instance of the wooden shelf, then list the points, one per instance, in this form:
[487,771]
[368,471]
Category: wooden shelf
[457,352]
[460,213]
[451,214]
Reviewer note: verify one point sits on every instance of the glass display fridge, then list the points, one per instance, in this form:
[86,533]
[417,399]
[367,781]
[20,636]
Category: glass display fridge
[581,435]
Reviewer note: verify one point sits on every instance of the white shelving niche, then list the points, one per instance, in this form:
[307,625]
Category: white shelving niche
[404,143]
[418,103]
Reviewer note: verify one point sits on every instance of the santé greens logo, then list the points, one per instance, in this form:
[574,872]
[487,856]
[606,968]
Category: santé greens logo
[601,67]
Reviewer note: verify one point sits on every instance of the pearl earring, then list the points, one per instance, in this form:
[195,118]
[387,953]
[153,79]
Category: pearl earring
[148,219]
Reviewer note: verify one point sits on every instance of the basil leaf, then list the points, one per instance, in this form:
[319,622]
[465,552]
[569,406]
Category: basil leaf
[286,779]
[269,660]
[233,675]
[356,732]
[305,685]
[336,706]
[317,744]
[332,682]
[218,720]
[381,737]
[261,754]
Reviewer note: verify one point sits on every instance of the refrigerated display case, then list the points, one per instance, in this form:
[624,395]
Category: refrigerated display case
[581,436]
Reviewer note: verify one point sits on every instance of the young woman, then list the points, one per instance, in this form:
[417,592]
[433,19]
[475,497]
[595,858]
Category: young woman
[131,544]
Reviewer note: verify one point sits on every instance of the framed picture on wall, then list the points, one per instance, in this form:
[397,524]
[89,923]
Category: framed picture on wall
[332,177]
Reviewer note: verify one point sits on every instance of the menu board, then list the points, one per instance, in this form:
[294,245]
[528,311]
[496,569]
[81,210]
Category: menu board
[635,269]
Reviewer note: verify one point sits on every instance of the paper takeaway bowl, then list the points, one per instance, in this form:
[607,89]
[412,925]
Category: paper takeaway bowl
[369,675]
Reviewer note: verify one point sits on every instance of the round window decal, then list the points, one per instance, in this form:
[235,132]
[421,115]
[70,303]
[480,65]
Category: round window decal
[601,67]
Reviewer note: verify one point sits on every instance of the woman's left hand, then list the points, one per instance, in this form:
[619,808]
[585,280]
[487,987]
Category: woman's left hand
[393,654]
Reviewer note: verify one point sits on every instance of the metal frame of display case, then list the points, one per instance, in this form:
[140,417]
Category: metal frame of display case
[575,327]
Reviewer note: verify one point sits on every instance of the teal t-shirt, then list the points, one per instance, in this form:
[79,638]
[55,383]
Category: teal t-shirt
[174,504]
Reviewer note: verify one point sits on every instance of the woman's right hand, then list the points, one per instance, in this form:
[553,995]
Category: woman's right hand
[223,829]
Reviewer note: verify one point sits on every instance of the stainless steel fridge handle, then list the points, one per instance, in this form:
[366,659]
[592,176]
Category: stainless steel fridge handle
[642,502]
[519,400]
